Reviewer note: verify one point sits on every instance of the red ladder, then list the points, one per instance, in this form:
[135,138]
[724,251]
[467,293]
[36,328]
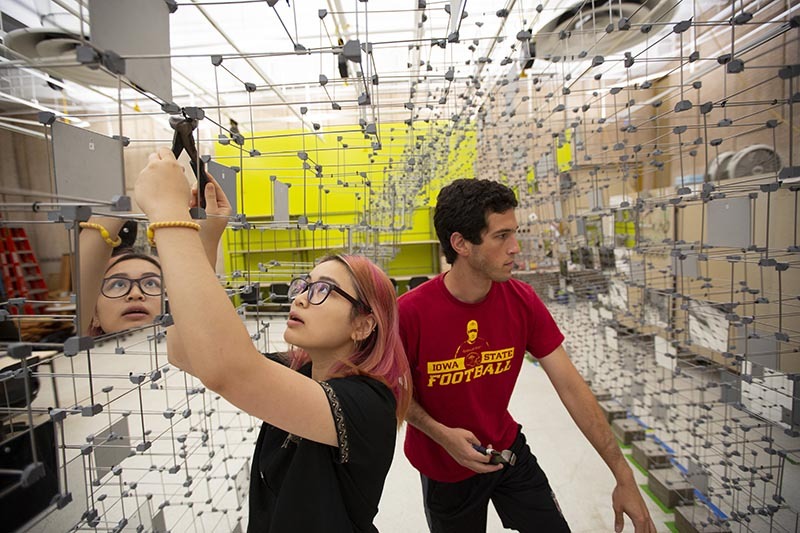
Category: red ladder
[21,275]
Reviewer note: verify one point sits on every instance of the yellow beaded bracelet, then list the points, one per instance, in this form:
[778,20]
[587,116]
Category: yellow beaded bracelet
[103,233]
[173,224]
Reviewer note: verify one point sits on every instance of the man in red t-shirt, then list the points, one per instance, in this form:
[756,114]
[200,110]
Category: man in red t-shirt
[462,388]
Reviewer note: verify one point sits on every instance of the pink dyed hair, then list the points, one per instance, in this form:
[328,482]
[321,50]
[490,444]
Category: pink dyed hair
[381,355]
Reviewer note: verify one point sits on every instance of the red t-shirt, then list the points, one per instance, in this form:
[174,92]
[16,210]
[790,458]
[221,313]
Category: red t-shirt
[465,360]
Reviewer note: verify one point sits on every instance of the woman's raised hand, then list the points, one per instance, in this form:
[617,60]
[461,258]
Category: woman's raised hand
[162,191]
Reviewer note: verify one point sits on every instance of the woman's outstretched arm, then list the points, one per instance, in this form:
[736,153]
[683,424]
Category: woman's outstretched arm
[214,339]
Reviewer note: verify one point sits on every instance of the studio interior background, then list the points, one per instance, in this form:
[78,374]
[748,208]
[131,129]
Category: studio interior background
[653,145]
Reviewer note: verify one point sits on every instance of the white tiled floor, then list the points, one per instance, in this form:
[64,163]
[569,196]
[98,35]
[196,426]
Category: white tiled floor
[580,479]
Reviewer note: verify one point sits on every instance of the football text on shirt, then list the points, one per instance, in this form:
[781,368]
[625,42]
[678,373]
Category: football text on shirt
[454,371]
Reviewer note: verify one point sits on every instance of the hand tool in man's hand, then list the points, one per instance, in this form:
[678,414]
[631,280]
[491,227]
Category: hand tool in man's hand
[506,457]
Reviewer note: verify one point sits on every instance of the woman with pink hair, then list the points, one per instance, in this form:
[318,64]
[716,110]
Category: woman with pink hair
[331,416]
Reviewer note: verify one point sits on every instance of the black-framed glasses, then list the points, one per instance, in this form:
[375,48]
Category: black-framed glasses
[318,292]
[120,286]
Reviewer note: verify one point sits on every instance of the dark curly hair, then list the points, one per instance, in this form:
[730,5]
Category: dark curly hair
[463,206]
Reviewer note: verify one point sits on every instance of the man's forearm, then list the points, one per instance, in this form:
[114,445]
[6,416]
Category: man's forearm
[585,411]
[420,419]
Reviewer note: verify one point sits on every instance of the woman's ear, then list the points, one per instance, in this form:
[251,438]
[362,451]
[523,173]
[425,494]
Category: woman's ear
[94,323]
[363,326]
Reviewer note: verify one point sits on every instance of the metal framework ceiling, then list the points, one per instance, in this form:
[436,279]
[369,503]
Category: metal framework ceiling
[425,61]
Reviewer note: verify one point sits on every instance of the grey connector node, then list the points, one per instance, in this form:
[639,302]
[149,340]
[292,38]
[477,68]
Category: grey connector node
[121,203]
[20,350]
[75,345]
[70,213]
[91,410]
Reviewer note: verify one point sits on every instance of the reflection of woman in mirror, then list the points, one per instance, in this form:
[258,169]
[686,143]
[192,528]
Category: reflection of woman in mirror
[331,421]
[122,288]
[130,294]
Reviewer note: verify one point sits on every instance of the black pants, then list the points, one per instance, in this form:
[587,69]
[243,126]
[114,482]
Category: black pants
[521,495]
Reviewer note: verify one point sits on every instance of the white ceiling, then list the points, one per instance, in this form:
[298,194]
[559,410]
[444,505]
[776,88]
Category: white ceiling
[407,57]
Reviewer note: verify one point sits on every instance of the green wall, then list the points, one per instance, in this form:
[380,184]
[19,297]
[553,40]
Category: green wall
[355,184]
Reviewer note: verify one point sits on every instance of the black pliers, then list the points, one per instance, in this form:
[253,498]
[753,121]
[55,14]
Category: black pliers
[184,140]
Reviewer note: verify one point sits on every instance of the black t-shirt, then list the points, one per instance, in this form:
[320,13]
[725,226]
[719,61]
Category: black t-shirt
[302,485]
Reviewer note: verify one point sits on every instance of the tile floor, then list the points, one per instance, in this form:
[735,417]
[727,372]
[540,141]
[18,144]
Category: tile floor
[579,478]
